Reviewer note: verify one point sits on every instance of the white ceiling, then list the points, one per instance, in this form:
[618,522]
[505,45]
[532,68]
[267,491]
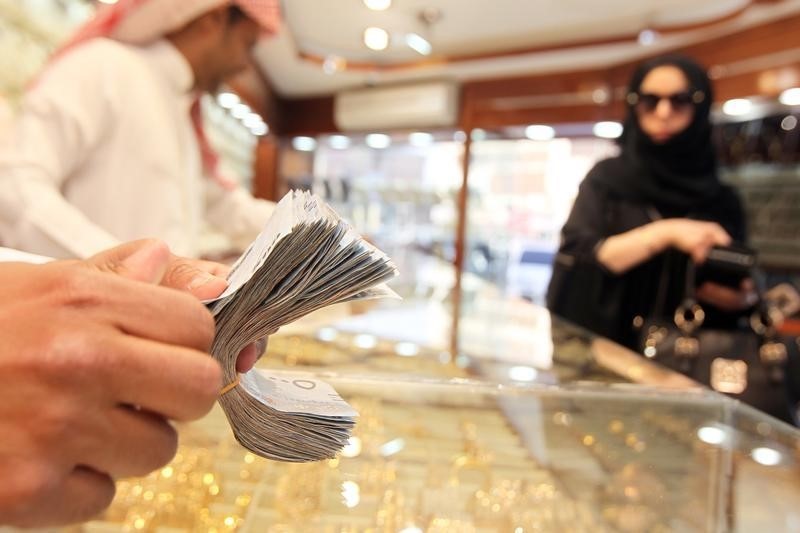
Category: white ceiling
[467,28]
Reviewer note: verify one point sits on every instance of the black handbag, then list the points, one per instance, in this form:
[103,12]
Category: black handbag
[748,363]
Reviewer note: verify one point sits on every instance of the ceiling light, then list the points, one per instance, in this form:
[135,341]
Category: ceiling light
[227,100]
[252,120]
[607,130]
[378,141]
[339,142]
[790,96]
[419,44]
[376,38]
[420,138]
[766,456]
[648,37]
[240,111]
[538,132]
[378,5]
[737,107]
[259,130]
[304,144]
[600,95]
[478,135]
[333,64]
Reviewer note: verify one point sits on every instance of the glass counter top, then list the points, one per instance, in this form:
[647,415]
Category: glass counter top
[535,426]
[465,456]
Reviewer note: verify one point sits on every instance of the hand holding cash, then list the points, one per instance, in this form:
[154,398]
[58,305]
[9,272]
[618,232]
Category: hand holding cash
[306,258]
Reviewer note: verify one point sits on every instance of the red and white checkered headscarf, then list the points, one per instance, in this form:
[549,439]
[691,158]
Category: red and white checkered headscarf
[144,21]
[140,22]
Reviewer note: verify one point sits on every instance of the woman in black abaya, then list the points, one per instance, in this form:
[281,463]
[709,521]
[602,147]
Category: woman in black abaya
[639,216]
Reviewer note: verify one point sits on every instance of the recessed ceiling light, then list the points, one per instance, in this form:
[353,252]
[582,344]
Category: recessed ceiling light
[304,144]
[240,111]
[378,141]
[419,44]
[420,138]
[376,38]
[339,142]
[790,96]
[648,37]
[227,100]
[334,64]
[252,120]
[539,132]
[259,130]
[607,130]
[737,107]
[478,134]
[378,5]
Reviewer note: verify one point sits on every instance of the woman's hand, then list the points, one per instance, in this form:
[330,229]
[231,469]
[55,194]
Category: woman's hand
[726,298]
[693,237]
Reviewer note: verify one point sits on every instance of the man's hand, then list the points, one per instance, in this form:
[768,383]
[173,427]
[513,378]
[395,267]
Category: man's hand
[93,367]
[203,279]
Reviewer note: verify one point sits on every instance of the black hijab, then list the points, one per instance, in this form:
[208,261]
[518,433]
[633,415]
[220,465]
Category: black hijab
[678,176]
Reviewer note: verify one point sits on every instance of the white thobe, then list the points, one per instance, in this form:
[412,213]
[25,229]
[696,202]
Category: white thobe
[104,151]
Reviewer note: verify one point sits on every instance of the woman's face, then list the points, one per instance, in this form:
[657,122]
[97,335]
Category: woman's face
[665,105]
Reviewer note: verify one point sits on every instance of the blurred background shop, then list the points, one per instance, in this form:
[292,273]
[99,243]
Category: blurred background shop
[454,135]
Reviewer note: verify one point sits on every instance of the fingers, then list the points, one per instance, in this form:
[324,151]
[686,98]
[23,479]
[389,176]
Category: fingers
[84,494]
[177,383]
[150,261]
[138,309]
[130,442]
[250,355]
[79,497]
[203,279]
[710,234]
[144,260]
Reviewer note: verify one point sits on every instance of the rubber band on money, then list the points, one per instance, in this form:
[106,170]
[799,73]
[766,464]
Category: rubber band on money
[229,387]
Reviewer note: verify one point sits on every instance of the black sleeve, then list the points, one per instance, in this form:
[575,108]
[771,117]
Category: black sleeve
[727,210]
[581,290]
[585,228]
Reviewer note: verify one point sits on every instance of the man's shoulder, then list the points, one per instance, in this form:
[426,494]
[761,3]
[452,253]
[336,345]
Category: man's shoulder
[103,55]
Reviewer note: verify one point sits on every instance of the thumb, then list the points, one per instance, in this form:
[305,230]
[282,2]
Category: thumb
[144,260]
[203,279]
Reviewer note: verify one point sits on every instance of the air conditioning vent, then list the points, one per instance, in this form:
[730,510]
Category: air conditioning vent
[424,105]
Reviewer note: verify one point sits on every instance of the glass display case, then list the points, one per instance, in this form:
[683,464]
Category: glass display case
[552,430]
[462,456]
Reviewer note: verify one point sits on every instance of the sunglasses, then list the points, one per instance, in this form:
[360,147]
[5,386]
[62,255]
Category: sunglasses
[681,101]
